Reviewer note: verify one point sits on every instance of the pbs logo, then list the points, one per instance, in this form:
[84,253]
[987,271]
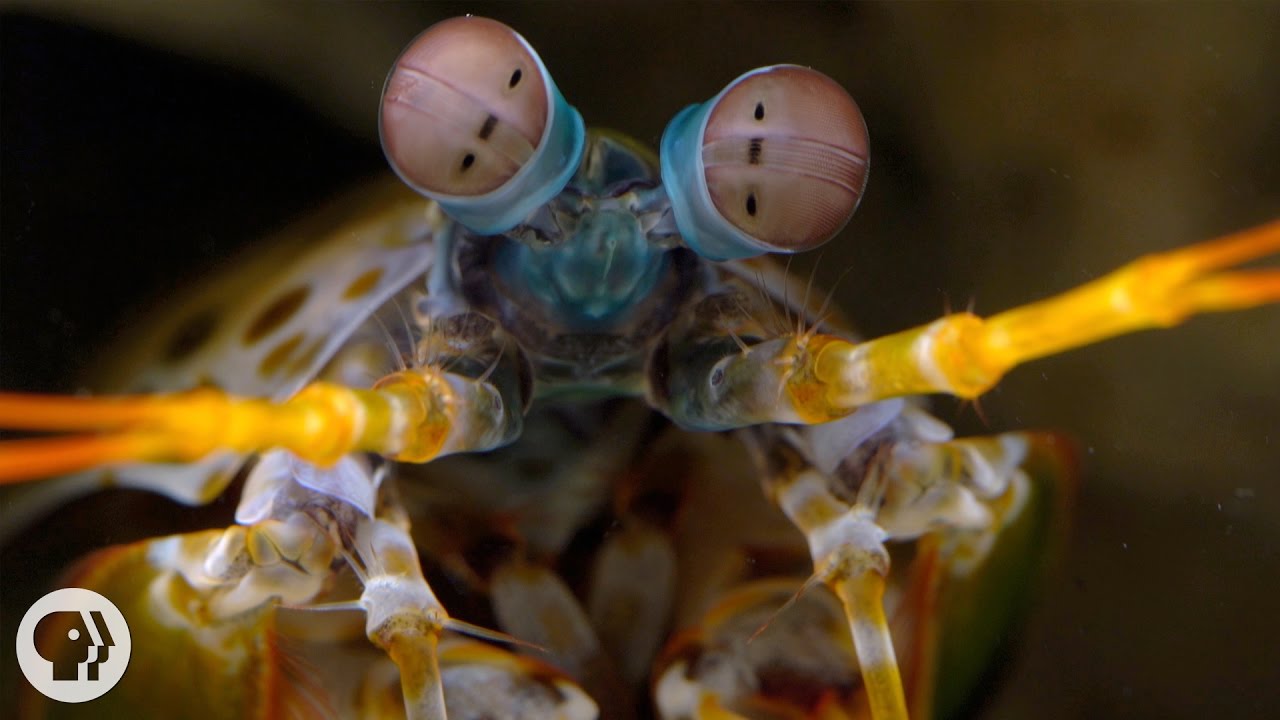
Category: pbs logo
[73,645]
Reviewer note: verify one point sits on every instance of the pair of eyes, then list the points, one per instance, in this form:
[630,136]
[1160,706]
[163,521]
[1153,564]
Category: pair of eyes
[778,159]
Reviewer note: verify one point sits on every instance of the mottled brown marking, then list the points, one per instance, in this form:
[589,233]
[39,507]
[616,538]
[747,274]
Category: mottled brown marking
[362,285]
[276,314]
[193,333]
[275,359]
[306,357]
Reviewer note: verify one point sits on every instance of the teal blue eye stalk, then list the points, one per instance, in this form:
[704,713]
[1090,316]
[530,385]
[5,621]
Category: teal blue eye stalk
[776,162]
[471,118]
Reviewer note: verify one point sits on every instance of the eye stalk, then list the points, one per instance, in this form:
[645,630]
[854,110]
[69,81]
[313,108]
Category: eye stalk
[471,118]
[776,162]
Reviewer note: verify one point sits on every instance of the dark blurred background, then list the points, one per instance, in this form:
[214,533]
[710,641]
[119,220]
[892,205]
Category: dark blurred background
[1017,150]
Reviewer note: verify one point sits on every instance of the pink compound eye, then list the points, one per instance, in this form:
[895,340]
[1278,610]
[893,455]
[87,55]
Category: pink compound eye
[785,157]
[464,109]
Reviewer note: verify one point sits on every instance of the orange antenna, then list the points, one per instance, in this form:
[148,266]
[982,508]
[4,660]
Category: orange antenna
[414,416]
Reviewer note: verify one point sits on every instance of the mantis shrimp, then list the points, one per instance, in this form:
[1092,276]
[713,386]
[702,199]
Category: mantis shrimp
[552,278]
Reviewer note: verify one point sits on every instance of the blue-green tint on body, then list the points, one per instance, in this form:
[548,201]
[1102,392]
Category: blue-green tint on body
[603,264]
[606,267]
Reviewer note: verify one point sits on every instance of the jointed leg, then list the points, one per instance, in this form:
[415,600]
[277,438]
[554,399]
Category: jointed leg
[454,404]
[849,557]
[964,355]
[718,370]
[901,481]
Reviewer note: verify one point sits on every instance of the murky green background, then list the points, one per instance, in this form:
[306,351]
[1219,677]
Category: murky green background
[1017,150]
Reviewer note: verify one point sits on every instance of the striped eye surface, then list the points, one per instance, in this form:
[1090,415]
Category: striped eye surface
[464,107]
[777,162]
[470,117]
[785,153]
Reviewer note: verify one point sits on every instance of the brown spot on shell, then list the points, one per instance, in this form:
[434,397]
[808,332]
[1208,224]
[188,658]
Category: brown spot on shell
[306,357]
[191,335]
[363,284]
[276,359]
[276,314]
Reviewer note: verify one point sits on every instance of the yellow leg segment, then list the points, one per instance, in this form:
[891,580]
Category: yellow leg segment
[849,557]
[862,596]
[421,682]
[965,355]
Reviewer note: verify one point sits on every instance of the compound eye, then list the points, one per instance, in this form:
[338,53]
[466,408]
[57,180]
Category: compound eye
[465,108]
[785,153]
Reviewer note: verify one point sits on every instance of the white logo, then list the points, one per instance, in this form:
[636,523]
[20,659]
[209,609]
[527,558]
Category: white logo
[73,645]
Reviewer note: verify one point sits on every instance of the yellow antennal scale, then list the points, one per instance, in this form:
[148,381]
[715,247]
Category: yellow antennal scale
[412,415]
[965,355]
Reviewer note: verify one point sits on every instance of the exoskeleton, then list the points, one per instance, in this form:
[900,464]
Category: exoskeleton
[483,431]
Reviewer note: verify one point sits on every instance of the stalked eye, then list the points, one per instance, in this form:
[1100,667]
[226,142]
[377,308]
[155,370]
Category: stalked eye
[471,118]
[776,162]
[456,118]
[785,157]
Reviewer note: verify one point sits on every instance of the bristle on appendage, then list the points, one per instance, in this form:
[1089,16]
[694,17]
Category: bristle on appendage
[403,616]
